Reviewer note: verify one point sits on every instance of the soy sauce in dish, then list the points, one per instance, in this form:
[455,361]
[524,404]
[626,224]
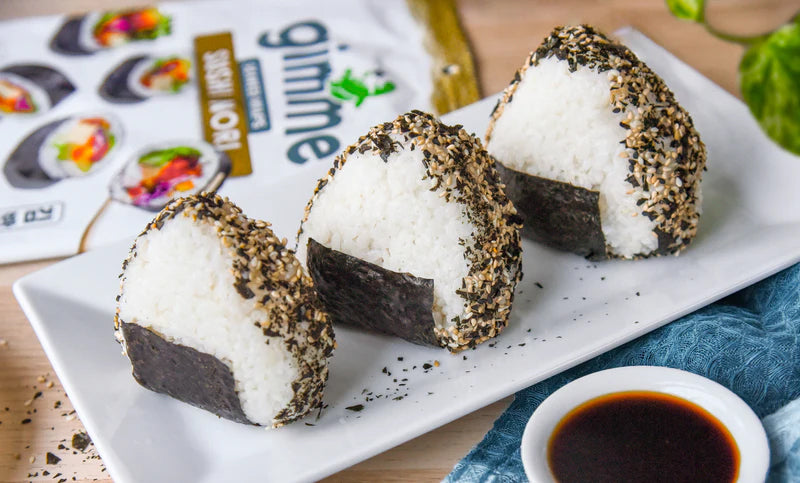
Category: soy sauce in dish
[641,436]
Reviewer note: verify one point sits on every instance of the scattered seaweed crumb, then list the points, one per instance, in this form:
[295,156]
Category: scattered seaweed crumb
[355,408]
[52,459]
[310,424]
[539,285]
[81,441]
[26,421]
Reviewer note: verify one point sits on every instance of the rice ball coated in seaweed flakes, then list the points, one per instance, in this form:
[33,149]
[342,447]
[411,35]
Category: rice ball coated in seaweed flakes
[215,311]
[411,234]
[596,153]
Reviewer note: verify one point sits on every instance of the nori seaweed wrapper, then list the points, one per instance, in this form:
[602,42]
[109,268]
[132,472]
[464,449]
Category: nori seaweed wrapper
[115,87]
[363,294]
[53,82]
[66,40]
[556,214]
[182,372]
[22,168]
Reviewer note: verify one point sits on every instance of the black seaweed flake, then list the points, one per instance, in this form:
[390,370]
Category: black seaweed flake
[81,441]
[52,459]
[355,408]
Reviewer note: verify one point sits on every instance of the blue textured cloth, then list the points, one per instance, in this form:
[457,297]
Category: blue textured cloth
[749,342]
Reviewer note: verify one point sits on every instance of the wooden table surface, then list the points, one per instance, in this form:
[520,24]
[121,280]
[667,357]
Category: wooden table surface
[501,33]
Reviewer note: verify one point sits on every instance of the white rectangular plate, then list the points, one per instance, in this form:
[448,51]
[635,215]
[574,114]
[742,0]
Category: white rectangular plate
[750,229]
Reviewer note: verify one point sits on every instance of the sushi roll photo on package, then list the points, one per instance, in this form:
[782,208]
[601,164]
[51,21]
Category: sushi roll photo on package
[107,116]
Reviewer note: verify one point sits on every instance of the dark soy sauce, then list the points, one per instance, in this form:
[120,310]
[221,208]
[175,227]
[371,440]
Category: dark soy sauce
[641,436]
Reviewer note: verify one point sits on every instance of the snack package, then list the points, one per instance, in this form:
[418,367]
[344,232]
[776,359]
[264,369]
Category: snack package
[106,117]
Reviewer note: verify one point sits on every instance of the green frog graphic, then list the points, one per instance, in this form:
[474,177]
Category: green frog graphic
[357,89]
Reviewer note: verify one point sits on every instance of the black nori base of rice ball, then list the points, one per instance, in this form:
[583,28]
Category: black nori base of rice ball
[53,82]
[115,88]
[66,42]
[360,293]
[22,168]
[184,373]
[556,214]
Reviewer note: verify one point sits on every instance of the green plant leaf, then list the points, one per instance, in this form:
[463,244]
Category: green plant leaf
[687,9]
[769,75]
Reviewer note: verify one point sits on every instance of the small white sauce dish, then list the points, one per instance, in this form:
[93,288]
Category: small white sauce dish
[723,404]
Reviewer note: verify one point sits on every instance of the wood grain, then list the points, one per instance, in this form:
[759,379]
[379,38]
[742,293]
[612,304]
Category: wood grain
[501,33]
